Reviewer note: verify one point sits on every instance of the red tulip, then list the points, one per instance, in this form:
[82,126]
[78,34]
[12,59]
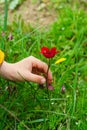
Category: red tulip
[49,53]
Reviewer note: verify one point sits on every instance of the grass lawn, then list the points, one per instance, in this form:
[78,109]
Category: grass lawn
[24,105]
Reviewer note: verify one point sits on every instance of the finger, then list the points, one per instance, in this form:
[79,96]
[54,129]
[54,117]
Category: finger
[42,67]
[49,76]
[35,78]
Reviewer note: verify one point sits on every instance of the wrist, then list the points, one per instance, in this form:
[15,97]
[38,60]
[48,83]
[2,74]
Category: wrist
[5,70]
[8,71]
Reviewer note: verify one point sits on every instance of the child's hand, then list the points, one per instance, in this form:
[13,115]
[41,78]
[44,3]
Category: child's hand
[29,69]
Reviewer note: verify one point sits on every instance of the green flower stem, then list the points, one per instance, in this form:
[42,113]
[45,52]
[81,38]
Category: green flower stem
[47,73]
[47,82]
[5,15]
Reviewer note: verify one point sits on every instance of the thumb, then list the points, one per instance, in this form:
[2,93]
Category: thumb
[36,78]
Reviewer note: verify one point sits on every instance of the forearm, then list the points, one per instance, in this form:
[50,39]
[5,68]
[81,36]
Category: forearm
[10,71]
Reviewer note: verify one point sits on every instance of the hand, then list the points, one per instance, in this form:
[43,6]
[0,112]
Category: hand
[28,69]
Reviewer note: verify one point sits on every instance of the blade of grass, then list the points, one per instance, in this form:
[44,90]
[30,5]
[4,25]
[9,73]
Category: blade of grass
[76,70]
[27,35]
[13,115]
[5,15]
[38,120]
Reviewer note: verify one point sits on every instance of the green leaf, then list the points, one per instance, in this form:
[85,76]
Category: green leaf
[14,3]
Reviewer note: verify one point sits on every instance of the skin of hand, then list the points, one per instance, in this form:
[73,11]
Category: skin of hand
[28,69]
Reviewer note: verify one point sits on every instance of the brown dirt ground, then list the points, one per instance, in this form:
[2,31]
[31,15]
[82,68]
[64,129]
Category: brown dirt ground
[34,13]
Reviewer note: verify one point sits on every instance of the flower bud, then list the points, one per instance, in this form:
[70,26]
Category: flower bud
[50,87]
[63,89]
[10,37]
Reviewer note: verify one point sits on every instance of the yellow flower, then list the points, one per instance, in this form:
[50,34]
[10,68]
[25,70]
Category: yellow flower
[60,60]
[1,56]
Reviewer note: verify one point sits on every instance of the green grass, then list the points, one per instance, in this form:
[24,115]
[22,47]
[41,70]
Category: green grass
[24,105]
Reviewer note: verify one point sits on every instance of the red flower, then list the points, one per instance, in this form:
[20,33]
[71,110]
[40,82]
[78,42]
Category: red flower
[49,53]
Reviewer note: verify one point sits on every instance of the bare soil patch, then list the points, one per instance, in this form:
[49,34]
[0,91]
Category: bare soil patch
[34,13]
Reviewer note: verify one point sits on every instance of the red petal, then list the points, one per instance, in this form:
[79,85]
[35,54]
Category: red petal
[53,49]
[43,49]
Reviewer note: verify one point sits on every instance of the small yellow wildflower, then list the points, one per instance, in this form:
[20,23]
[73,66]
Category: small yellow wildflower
[1,56]
[60,60]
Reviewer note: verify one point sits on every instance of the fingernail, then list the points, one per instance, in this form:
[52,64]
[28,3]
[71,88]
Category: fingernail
[43,81]
[50,81]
